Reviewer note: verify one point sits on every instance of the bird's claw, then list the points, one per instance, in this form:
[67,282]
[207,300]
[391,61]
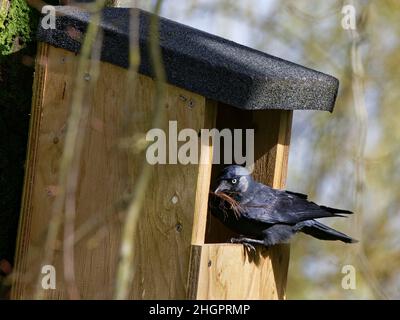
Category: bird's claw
[246,244]
[249,247]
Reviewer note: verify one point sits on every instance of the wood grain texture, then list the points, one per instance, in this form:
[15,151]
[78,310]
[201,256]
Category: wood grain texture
[223,271]
[194,271]
[30,164]
[228,272]
[204,178]
[108,166]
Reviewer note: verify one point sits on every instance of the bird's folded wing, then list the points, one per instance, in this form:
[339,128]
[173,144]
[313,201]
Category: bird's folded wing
[281,207]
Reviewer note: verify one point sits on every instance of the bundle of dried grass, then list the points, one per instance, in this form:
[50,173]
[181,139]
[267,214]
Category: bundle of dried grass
[227,203]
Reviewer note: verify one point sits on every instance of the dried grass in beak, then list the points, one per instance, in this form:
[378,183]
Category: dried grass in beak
[228,203]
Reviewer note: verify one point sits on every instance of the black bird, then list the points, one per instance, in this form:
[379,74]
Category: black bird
[267,216]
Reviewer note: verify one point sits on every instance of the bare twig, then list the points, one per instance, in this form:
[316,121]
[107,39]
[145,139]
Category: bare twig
[72,181]
[125,268]
[70,145]
[358,90]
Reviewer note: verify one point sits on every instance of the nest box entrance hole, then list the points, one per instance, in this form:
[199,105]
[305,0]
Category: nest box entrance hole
[272,129]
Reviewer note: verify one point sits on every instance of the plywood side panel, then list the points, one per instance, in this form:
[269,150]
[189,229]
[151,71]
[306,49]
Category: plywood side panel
[30,164]
[228,272]
[110,162]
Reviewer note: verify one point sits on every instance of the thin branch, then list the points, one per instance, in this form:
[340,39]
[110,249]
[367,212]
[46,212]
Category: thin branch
[126,268]
[71,139]
[358,76]
[73,179]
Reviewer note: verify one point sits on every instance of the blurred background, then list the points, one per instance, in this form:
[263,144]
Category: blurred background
[347,159]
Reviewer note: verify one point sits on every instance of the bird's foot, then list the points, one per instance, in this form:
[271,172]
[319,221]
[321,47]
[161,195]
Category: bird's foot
[248,246]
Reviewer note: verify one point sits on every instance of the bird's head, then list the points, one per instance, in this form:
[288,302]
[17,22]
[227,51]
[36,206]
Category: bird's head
[235,181]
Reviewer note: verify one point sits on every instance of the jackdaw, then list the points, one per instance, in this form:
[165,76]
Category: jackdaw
[266,216]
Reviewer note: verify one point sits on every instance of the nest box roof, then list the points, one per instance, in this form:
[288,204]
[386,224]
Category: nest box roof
[214,67]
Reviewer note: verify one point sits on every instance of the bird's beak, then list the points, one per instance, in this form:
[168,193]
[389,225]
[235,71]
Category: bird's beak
[223,186]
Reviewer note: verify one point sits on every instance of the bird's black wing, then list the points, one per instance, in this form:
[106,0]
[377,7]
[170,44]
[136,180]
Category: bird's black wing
[275,206]
[300,195]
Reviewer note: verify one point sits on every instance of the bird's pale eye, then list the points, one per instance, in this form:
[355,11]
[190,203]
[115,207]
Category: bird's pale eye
[234,181]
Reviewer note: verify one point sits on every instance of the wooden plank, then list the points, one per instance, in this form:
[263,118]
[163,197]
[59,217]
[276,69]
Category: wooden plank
[30,164]
[194,271]
[204,179]
[223,272]
[227,272]
[107,171]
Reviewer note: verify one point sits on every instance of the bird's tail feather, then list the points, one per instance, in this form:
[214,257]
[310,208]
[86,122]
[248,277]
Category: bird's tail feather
[323,232]
[335,210]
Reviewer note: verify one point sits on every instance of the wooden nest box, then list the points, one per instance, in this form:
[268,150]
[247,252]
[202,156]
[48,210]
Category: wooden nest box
[180,250]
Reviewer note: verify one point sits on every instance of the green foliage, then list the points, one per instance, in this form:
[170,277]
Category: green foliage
[17,23]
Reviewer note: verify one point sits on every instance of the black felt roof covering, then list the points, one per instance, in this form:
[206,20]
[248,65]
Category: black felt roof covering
[203,63]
